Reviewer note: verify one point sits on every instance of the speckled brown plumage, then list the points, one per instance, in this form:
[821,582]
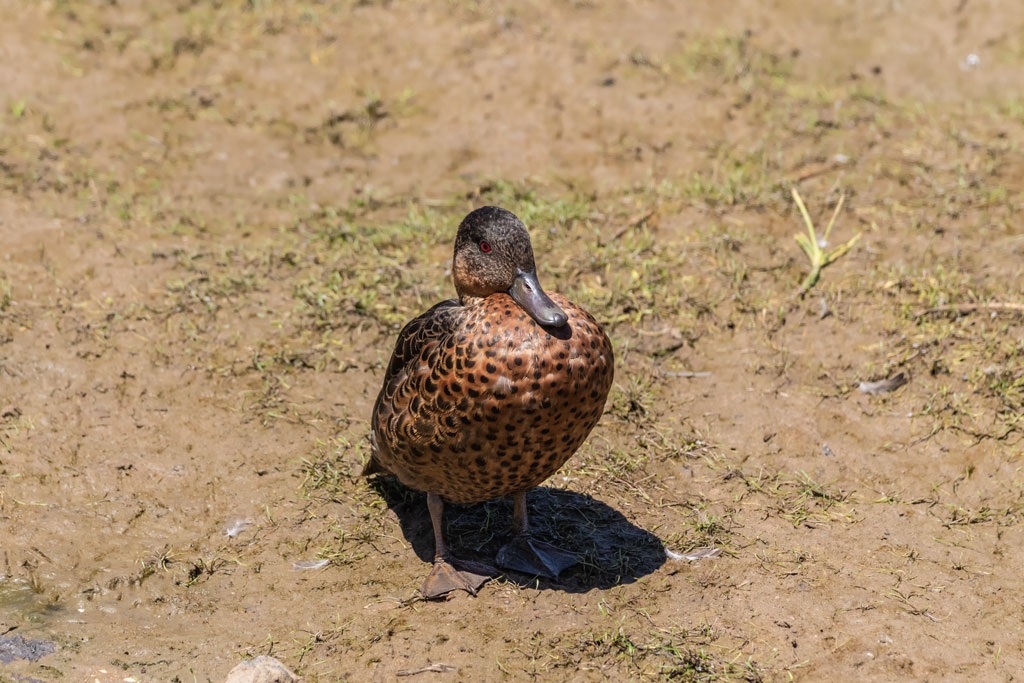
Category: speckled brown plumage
[480,400]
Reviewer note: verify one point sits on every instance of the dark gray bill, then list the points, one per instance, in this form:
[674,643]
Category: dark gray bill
[527,293]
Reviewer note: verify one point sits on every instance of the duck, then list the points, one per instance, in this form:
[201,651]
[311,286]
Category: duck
[487,395]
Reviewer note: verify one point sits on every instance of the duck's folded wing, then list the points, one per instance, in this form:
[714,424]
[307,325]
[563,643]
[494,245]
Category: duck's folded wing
[403,411]
[420,337]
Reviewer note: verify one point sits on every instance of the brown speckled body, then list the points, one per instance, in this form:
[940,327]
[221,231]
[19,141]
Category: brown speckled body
[480,401]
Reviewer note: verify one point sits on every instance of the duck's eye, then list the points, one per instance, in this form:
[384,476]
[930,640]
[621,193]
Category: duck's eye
[485,247]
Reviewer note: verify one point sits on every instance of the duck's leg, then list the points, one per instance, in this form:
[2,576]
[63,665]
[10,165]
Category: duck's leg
[449,574]
[527,555]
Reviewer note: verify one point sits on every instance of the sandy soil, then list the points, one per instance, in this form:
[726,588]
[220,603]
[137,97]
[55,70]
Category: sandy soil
[213,216]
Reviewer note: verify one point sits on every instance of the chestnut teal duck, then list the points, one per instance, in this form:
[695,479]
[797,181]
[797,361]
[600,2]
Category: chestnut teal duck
[489,394]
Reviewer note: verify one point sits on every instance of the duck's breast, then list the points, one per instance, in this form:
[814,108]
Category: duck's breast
[499,404]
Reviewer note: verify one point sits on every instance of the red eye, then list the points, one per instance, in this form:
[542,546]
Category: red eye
[485,247]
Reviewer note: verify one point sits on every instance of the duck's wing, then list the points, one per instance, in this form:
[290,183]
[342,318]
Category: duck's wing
[401,413]
[423,333]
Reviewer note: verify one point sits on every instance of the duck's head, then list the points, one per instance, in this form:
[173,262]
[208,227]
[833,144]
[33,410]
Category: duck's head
[493,254]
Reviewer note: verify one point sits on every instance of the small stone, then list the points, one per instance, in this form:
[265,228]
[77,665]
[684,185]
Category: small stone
[13,648]
[262,669]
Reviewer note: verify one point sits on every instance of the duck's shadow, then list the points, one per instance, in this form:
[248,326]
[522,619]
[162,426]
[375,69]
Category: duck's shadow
[612,550]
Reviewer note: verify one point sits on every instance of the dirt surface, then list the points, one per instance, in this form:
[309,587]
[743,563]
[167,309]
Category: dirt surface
[214,216]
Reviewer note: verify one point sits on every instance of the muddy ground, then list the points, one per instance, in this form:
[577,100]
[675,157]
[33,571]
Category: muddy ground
[214,216]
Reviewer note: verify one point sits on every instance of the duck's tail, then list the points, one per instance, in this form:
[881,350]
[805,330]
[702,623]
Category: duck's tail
[373,465]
